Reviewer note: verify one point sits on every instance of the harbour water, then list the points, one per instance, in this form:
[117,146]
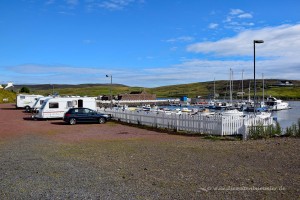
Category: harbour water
[287,117]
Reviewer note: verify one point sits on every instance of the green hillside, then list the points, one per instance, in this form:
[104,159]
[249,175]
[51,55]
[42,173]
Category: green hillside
[222,88]
[5,94]
[82,90]
[203,89]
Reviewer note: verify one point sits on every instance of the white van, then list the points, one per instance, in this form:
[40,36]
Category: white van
[26,101]
[57,106]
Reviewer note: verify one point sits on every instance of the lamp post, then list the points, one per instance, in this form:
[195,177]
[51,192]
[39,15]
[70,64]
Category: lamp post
[110,90]
[255,42]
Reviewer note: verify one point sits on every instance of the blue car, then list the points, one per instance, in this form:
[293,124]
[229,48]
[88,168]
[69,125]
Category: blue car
[79,115]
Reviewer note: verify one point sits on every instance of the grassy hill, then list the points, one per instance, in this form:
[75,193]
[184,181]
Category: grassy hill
[5,94]
[204,89]
[81,90]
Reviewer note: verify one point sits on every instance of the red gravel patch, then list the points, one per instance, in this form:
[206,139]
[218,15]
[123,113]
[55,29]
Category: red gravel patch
[15,123]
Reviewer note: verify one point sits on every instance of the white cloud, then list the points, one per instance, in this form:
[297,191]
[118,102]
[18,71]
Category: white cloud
[181,39]
[245,15]
[72,2]
[36,73]
[213,25]
[280,41]
[234,19]
[236,11]
[88,41]
[49,2]
[92,5]
[115,4]
[52,69]
[277,57]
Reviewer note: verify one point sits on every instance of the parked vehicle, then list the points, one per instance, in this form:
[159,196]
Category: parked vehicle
[78,115]
[26,101]
[57,106]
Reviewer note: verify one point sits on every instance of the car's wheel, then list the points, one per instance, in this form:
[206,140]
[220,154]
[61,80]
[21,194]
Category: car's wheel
[101,120]
[72,121]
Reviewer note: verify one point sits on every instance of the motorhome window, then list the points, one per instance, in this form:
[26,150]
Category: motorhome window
[22,97]
[53,105]
[69,104]
[41,102]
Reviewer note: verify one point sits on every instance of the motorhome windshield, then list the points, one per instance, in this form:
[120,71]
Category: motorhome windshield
[36,102]
[44,104]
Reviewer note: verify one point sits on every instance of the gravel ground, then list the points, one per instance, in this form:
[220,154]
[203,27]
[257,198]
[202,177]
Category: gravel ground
[52,160]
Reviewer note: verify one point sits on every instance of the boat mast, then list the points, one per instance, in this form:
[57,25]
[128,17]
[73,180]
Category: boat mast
[242,85]
[263,97]
[214,88]
[249,91]
[230,87]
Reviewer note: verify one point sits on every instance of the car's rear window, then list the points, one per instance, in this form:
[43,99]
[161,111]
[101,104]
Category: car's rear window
[74,111]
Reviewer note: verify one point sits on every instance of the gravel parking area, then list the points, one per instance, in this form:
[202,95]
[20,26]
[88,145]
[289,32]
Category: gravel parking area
[53,160]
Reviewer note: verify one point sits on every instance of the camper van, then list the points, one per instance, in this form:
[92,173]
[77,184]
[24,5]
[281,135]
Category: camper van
[38,104]
[26,101]
[57,106]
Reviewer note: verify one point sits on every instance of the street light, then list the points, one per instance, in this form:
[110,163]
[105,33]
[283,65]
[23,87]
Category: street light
[110,90]
[254,42]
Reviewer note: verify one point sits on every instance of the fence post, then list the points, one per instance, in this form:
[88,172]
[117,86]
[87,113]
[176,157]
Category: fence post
[245,131]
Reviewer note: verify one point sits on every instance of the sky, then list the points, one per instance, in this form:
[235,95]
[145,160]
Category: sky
[147,43]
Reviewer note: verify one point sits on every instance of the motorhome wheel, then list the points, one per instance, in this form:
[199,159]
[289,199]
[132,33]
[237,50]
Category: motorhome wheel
[27,109]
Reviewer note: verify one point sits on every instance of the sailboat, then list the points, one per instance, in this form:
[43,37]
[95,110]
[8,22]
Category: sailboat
[211,104]
[232,112]
[249,105]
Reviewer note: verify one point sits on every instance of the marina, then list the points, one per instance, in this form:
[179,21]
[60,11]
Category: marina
[285,115]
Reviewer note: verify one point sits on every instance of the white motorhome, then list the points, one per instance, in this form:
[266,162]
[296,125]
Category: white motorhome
[26,100]
[39,102]
[57,106]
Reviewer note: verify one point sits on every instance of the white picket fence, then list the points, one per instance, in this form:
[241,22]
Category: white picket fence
[206,124]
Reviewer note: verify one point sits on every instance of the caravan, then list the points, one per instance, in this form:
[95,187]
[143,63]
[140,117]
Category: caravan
[26,101]
[57,106]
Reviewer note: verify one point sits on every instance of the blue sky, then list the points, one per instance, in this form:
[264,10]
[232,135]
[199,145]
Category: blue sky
[147,43]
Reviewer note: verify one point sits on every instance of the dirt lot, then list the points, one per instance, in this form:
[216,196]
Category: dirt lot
[52,160]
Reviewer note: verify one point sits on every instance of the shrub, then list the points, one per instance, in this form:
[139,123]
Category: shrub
[24,90]
[260,131]
[293,130]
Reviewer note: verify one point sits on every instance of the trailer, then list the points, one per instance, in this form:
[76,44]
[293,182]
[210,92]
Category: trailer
[26,101]
[57,106]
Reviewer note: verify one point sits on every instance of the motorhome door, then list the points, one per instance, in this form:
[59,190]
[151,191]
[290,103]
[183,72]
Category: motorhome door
[80,103]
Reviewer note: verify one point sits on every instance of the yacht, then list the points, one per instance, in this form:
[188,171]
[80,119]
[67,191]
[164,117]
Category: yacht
[234,112]
[276,104]
[263,115]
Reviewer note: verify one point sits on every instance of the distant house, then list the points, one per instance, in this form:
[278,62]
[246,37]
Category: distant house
[283,83]
[239,94]
[137,96]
